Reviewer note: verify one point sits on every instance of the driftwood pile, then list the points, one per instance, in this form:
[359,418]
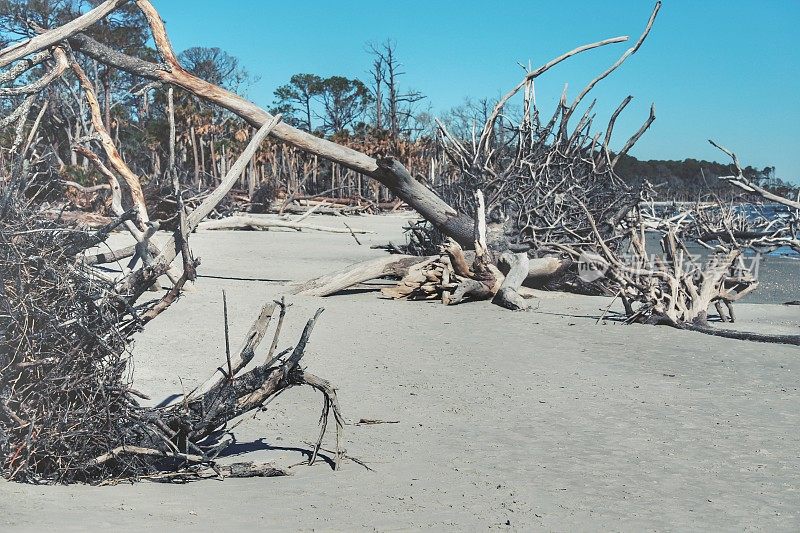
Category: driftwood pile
[453,275]
[68,410]
[451,278]
[537,172]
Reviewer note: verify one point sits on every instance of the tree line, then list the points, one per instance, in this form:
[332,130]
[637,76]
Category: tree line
[379,115]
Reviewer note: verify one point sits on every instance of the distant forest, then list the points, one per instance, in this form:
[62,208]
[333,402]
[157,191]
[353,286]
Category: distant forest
[691,178]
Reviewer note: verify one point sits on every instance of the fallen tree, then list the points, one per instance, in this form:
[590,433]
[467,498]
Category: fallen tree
[68,411]
[481,162]
[388,170]
[534,177]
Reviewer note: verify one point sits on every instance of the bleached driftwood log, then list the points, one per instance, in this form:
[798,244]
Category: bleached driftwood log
[516,271]
[262,222]
[389,266]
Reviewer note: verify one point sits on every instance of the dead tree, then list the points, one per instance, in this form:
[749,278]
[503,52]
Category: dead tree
[775,232]
[534,175]
[388,171]
[677,288]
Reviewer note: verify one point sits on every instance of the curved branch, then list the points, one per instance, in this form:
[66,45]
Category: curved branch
[21,68]
[636,136]
[49,38]
[110,149]
[159,33]
[613,120]
[629,52]
[61,65]
[489,127]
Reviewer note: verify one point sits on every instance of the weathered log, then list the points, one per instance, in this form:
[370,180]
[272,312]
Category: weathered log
[515,267]
[771,338]
[543,269]
[253,222]
[470,289]
[324,209]
[458,259]
[392,265]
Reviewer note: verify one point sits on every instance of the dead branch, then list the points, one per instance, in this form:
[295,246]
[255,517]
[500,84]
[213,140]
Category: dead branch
[44,40]
[133,185]
[257,222]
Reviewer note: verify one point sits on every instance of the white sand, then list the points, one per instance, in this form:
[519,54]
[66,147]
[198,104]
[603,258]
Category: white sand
[541,419]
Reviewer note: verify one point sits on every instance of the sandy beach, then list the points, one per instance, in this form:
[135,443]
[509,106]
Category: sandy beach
[537,420]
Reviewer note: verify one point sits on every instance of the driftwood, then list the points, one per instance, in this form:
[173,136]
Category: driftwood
[516,271]
[389,266]
[448,276]
[324,209]
[551,196]
[787,231]
[576,163]
[260,222]
[89,220]
[677,289]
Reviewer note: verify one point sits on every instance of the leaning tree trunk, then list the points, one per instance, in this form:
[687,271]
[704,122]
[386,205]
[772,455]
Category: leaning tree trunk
[388,171]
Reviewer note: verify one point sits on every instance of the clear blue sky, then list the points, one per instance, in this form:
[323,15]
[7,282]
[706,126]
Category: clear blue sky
[721,69]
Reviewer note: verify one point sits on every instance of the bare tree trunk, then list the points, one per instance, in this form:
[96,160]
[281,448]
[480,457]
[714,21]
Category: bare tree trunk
[106,78]
[193,140]
[214,172]
[253,176]
[389,172]
[171,113]
[202,144]
[73,155]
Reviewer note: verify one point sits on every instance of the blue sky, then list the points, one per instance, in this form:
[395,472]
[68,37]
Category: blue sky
[727,70]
